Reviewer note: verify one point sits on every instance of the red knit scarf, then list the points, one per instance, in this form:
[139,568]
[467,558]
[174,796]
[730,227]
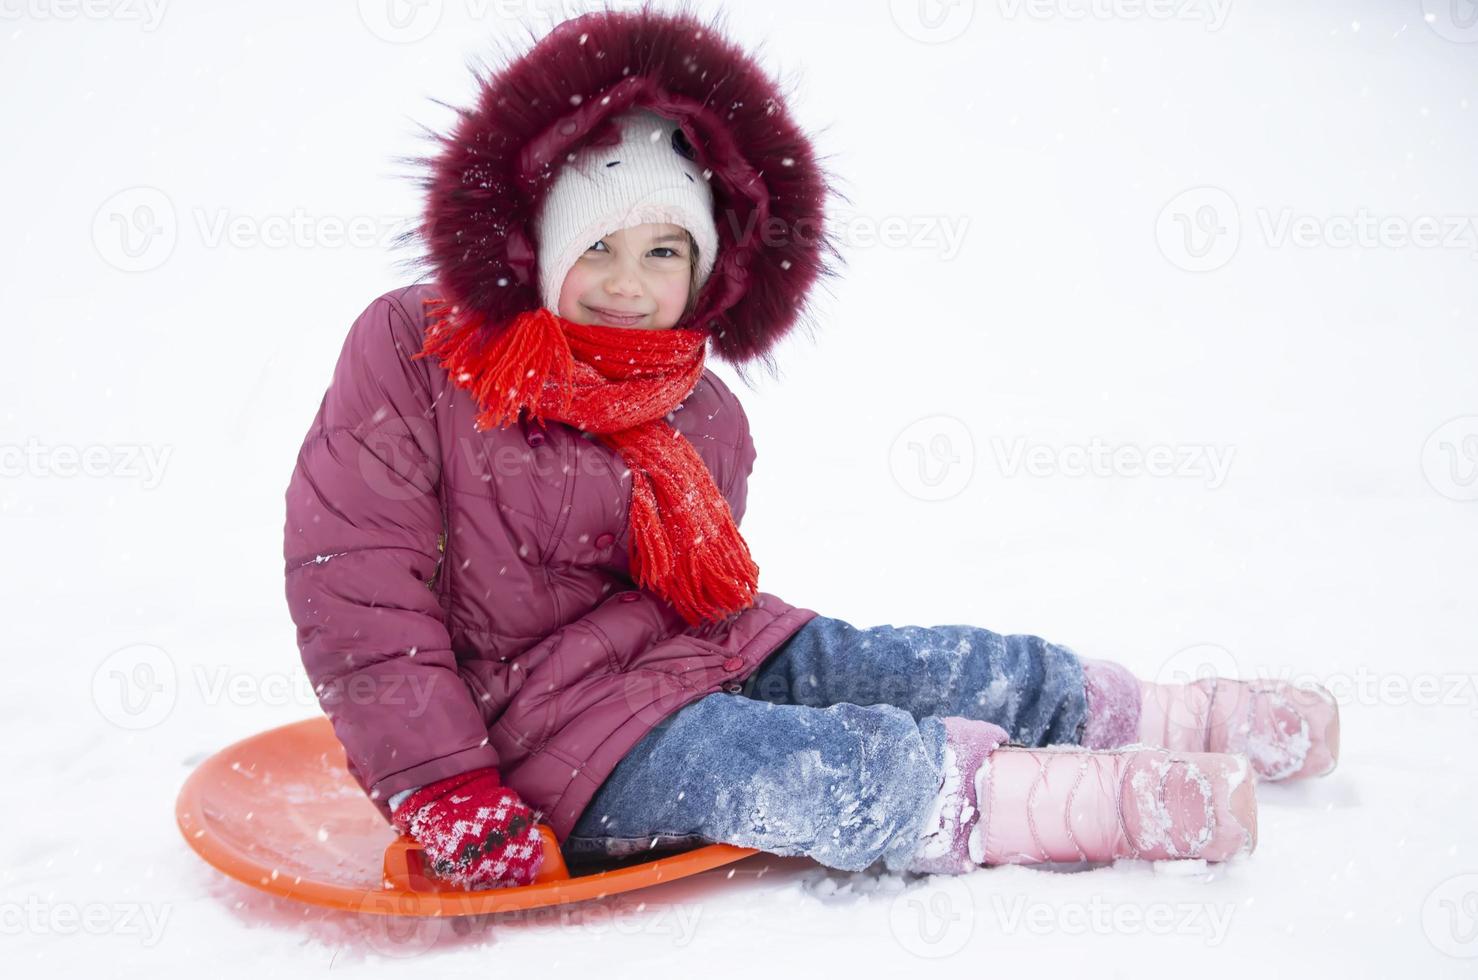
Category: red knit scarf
[618,383]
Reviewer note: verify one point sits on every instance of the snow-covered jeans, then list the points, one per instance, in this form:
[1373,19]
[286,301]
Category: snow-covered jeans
[833,749]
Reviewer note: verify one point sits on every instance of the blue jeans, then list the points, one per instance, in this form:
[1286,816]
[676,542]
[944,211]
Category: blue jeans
[833,749]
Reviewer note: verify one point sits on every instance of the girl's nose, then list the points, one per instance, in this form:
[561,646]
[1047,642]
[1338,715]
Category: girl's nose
[623,285]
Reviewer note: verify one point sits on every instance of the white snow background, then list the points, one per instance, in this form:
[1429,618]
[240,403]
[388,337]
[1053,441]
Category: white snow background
[1154,253]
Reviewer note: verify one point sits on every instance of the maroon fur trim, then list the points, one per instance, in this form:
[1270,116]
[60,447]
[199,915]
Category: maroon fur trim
[485,185]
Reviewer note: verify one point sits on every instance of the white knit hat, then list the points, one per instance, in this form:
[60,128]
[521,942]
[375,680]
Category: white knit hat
[646,177]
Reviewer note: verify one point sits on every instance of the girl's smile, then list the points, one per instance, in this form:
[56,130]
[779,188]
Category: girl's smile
[615,318]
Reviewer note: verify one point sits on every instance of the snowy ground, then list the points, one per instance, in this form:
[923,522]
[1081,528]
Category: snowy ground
[1053,288]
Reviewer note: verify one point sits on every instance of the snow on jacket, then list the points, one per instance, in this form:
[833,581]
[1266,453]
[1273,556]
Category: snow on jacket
[463,599]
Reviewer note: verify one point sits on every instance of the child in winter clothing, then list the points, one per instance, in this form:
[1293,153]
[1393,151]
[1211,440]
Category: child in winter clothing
[582,272]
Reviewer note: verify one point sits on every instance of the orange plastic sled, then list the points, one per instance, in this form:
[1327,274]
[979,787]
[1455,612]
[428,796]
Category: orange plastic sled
[279,811]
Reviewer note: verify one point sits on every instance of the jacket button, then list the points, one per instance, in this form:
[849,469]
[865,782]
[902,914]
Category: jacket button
[605,540]
[733,663]
[536,438]
[629,596]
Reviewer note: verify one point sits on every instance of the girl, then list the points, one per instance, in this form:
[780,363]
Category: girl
[513,556]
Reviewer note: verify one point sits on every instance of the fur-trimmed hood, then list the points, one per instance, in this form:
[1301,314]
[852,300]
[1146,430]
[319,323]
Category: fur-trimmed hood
[486,183]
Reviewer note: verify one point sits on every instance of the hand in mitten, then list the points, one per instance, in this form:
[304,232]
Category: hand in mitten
[477,833]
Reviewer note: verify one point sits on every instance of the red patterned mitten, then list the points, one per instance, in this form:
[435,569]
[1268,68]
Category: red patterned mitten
[477,833]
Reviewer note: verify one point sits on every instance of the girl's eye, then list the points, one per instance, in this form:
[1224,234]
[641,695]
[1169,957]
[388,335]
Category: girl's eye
[672,253]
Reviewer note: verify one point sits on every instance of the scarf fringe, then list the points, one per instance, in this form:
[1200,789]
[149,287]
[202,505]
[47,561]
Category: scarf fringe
[529,364]
[710,578]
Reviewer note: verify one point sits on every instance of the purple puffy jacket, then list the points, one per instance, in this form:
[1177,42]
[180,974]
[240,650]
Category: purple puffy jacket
[463,599]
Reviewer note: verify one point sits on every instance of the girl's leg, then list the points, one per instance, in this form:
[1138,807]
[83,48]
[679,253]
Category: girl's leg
[1043,693]
[848,786]
[1030,687]
[845,785]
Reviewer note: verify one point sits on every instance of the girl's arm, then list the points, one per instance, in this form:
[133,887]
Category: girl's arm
[363,518]
[734,470]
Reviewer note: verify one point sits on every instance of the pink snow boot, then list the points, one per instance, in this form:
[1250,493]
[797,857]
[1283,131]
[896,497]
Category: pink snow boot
[945,846]
[1074,804]
[1007,804]
[1286,730]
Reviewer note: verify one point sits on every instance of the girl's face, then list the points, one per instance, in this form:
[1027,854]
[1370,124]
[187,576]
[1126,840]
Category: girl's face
[643,272]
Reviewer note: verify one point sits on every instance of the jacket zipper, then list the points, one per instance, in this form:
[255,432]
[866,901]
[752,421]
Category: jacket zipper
[435,578]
